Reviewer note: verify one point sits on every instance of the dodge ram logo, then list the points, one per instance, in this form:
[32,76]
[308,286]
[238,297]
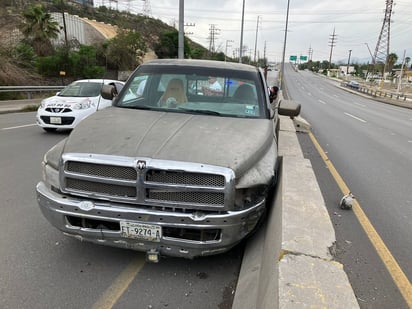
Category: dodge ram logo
[141,165]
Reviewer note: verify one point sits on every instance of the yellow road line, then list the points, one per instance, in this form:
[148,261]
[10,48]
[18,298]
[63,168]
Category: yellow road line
[122,282]
[387,258]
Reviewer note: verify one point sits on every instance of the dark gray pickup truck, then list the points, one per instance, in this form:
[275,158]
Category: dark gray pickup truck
[180,165]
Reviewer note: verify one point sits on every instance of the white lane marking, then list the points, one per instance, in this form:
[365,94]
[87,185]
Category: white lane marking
[320,101]
[18,127]
[354,117]
[359,104]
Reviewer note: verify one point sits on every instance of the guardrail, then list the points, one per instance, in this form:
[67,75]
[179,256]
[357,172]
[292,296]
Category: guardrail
[30,89]
[380,93]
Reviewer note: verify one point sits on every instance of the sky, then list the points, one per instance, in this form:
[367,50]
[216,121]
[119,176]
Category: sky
[311,24]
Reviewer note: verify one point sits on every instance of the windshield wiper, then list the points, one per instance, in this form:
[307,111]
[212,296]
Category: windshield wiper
[145,107]
[201,111]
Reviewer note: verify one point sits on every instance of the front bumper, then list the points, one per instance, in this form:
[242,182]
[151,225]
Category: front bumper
[62,210]
[69,120]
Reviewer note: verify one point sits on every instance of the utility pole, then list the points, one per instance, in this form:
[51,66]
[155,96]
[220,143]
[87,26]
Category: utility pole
[147,9]
[257,27]
[227,45]
[66,41]
[400,78]
[189,25]
[282,70]
[264,55]
[213,32]
[332,42]
[241,33]
[181,46]
[310,52]
[347,68]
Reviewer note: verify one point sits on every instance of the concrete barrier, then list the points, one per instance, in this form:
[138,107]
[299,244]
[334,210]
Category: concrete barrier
[287,263]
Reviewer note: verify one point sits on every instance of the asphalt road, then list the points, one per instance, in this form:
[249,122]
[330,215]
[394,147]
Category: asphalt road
[370,145]
[41,268]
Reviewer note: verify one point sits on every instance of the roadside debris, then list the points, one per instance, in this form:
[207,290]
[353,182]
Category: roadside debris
[347,201]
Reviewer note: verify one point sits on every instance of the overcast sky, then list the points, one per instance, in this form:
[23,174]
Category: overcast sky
[311,25]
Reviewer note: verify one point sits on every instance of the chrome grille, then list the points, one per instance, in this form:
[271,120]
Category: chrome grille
[100,188]
[185,178]
[208,198]
[180,186]
[102,170]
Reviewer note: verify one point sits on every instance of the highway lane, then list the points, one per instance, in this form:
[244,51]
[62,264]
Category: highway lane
[41,268]
[370,144]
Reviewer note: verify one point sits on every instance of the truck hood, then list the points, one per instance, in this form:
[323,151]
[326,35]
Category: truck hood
[237,143]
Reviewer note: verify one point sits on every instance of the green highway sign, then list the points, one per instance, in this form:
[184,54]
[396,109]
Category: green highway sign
[293,58]
[304,58]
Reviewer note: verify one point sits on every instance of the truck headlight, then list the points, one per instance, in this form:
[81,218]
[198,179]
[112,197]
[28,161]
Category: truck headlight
[51,176]
[249,197]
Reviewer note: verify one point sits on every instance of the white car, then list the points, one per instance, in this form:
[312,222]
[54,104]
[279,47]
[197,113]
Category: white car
[74,103]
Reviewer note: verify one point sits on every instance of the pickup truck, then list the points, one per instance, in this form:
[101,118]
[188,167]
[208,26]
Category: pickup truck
[177,168]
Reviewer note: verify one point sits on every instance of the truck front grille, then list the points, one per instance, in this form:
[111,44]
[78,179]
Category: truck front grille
[167,185]
[102,170]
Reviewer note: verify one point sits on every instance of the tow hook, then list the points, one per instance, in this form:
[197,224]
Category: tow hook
[153,256]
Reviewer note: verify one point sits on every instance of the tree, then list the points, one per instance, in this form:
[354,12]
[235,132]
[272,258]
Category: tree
[125,50]
[392,58]
[169,44]
[39,28]
[407,60]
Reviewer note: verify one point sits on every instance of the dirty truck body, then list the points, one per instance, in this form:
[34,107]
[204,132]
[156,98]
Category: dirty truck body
[185,179]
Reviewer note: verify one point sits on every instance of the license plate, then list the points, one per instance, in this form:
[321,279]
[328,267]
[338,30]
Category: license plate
[56,120]
[141,231]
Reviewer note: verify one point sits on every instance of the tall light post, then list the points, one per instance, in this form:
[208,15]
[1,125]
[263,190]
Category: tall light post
[282,68]
[241,33]
[181,44]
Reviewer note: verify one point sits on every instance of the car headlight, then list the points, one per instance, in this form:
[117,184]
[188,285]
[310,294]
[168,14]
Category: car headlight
[43,104]
[82,105]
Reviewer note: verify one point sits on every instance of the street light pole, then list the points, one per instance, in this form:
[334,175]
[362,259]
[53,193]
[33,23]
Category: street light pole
[241,33]
[282,70]
[181,43]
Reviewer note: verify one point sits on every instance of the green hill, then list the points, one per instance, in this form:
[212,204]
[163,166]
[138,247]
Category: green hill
[13,73]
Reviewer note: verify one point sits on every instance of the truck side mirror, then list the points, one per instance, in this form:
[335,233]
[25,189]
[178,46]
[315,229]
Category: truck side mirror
[289,108]
[108,92]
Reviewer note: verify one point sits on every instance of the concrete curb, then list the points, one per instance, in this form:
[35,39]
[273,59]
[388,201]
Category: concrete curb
[287,264]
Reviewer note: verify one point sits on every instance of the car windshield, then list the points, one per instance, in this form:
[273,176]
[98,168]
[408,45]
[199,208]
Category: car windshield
[82,89]
[221,92]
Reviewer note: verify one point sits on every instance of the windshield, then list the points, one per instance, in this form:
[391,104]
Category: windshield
[82,89]
[224,93]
